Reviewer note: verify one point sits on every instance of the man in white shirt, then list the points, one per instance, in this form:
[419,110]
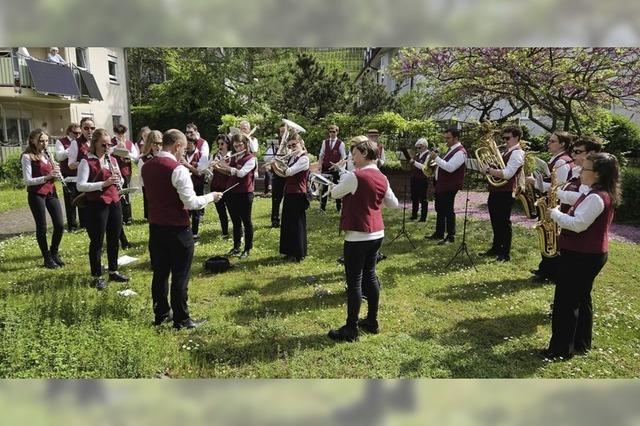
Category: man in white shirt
[69,190]
[54,56]
[332,151]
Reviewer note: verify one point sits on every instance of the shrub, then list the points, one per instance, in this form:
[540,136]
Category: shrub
[630,208]
[11,171]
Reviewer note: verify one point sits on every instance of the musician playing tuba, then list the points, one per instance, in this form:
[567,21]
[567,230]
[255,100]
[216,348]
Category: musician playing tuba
[501,198]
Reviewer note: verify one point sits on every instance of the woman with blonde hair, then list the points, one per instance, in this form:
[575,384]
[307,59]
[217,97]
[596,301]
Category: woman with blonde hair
[39,173]
[150,148]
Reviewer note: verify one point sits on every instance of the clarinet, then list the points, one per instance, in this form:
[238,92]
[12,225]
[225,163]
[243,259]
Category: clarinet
[53,162]
[113,173]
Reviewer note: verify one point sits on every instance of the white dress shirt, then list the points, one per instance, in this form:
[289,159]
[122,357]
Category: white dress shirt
[423,155]
[299,166]
[349,185]
[73,152]
[27,171]
[561,170]
[584,215]
[254,146]
[515,162]
[454,162]
[83,184]
[181,181]
[246,168]
[61,152]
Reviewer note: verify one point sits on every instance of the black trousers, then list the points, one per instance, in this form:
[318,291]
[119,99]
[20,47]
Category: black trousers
[293,231]
[268,179]
[145,205]
[548,267]
[171,251]
[572,322]
[38,204]
[335,178]
[126,204]
[360,270]
[196,215]
[277,193]
[418,189]
[500,204]
[445,214]
[221,208]
[103,219]
[240,206]
[69,192]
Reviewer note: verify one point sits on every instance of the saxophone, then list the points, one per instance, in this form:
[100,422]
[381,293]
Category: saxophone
[545,227]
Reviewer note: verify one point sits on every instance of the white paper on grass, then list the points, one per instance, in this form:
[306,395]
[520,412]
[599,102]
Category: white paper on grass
[125,260]
[127,293]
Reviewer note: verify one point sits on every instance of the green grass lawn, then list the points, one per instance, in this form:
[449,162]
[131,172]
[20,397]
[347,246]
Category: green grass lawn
[266,317]
[12,198]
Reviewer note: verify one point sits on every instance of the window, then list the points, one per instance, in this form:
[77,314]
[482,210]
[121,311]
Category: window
[113,68]
[82,58]
[116,120]
[14,129]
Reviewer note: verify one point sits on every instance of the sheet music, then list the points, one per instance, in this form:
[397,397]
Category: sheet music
[400,156]
[473,165]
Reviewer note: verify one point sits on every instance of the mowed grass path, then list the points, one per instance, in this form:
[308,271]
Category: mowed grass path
[268,318]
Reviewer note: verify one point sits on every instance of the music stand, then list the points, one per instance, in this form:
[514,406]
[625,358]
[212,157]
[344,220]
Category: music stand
[403,230]
[463,245]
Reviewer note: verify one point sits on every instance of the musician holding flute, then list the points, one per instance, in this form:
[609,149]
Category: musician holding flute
[39,172]
[99,177]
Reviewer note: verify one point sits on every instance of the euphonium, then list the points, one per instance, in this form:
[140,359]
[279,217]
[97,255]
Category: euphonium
[429,166]
[489,156]
[545,227]
[526,193]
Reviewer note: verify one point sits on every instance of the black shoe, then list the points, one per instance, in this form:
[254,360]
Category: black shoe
[99,283]
[56,258]
[344,334]
[125,246]
[196,237]
[275,224]
[422,219]
[488,253]
[234,252]
[434,236]
[244,254]
[163,320]
[118,277]
[503,258]
[73,229]
[413,218]
[340,260]
[539,279]
[49,263]
[188,323]
[368,326]
[551,356]
[534,271]
[128,222]
[380,256]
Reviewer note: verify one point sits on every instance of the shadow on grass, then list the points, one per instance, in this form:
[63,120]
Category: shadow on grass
[263,350]
[483,290]
[475,343]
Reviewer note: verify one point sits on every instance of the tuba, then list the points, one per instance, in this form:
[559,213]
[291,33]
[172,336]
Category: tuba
[545,227]
[489,156]
[280,162]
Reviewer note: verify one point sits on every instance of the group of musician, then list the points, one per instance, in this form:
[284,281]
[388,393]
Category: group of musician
[176,167]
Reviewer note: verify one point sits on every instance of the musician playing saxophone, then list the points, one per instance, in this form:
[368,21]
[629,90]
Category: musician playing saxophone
[99,176]
[501,198]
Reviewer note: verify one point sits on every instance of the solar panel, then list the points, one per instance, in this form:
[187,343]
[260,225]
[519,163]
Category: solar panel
[90,83]
[52,78]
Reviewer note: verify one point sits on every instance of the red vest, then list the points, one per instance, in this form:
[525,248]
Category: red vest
[64,164]
[296,184]
[573,185]
[416,173]
[39,169]
[199,144]
[331,155]
[508,187]
[83,150]
[246,183]
[107,195]
[218,180]
[552,164]
[454,181]
[164,205]
[362,211]
[195,159]
[124,164]
[594,239]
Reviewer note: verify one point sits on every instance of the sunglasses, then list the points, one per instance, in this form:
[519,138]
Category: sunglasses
[506,138]
[578,151]
[77,133]
[332,131]
[292,145]
[156,143]
[89,128]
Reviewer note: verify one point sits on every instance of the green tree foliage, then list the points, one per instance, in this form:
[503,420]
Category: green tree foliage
[557,83]
[371,98]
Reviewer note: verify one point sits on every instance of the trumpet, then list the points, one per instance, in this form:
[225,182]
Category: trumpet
[57,174]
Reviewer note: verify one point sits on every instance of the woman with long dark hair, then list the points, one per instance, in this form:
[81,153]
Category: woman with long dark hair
[584,247]
[219,182]
[39,173]
[99,177]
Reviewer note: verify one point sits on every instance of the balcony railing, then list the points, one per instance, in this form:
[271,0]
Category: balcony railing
[7,67]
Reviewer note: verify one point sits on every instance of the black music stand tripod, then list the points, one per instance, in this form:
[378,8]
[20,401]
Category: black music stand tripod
[463,245]
[403,230]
